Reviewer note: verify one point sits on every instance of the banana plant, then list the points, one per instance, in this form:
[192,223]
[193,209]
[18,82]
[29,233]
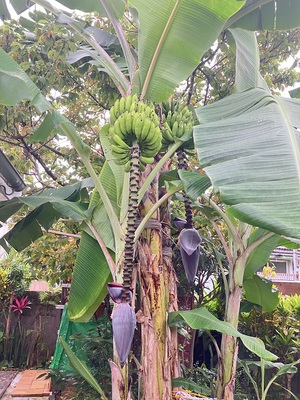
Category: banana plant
[167,53]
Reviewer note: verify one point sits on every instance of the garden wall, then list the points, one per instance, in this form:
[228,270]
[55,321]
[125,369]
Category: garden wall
[39,326]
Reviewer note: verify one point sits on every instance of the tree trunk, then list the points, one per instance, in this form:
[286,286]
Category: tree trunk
[7,329]
[229,344]
[159,358]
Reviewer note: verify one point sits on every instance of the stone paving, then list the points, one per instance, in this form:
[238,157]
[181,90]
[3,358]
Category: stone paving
[6,378]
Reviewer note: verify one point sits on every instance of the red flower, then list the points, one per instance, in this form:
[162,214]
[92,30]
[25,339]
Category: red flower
[20,304]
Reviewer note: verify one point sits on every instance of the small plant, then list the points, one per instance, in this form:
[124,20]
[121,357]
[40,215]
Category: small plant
[21,304]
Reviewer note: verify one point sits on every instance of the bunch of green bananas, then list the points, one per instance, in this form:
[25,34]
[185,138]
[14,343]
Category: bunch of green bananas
[176,123]
[134,122]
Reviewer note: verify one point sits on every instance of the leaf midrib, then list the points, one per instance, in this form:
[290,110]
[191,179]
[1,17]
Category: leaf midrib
[159,47]
[292,135]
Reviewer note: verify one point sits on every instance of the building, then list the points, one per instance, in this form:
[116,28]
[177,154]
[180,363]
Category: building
[286,270]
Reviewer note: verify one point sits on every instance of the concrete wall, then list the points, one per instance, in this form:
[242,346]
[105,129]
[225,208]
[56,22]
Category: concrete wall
[41,322]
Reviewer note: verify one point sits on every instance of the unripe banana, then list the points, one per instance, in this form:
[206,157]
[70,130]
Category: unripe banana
[121,120]
[117,129]
[147,160]
[133,107]
[119,152]
[169,117]
[174,118]
[122,105]
[138,127]
[117,108]
[151,151]
[119,142]
[167,133]
[127,166]
[154,118]
[128,102]
[128,121]
[180,129]
[112,115]
[148,111]
[175,128]
[154,143]
[121,161]
[148,124]
[141,107]
[172,105]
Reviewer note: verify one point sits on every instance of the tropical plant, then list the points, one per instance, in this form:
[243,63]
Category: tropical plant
[21,304]
[241,174]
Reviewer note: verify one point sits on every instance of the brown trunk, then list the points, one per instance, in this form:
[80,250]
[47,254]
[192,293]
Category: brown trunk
[7,329]
[159,359]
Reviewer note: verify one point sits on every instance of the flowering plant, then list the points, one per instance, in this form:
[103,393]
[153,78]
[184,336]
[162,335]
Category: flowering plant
[20,304]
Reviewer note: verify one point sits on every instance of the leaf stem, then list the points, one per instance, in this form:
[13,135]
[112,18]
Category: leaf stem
[130,61]
[81,149]
[152,210]
[157,168]
[232,229]
[158,49]
[110,261]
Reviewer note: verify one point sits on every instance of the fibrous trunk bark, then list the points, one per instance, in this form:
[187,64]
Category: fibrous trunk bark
[229,345]
[159,358]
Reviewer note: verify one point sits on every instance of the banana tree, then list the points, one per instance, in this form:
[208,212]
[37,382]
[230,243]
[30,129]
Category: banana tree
[240,170]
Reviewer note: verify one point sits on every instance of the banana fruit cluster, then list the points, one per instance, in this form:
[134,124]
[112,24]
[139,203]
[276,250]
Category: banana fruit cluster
[175,123]
[134,122]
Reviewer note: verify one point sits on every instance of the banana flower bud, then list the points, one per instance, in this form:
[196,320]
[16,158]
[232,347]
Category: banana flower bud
[189,244]
[123,324]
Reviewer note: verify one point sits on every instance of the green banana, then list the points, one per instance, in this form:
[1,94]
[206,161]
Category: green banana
[139,123]
[122,123]
[141,107]
[174,119]
[119,152]
[147,160]
[147,126]
[180,129]
[167,133]
[133,107]
[119,142]
[117,108]
[112,115]
[128,102]
[168,118]
[127,166]
[118,130]
[175,129]
[122,105]
[128,121]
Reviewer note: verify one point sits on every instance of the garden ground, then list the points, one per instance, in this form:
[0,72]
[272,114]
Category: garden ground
[23,385]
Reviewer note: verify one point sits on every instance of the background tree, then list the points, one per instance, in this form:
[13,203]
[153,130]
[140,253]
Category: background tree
[152,71]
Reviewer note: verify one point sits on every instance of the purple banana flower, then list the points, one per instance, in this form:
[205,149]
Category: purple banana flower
[115,292]
[123,324]
[189,244]
[179,223]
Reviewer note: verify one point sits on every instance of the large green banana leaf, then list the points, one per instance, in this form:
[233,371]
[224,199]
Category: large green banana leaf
[48,207]
[90,277]
[173,36]
[201,318]
[258,15]
[118,6]
[248,144]
[261,292]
